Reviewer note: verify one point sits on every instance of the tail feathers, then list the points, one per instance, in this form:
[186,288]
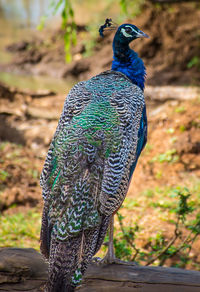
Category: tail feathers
[93,240]
[69,259]
[63,263]
[102,232]
[45,234]
[60,286]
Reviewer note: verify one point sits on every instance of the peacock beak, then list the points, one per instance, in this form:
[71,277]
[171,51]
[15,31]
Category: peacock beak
[141,34]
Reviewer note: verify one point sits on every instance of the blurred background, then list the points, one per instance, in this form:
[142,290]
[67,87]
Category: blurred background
[46,47]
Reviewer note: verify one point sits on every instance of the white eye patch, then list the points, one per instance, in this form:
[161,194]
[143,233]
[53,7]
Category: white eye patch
[127,34]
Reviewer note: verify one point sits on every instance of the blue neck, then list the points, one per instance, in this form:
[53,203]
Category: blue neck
[128,62]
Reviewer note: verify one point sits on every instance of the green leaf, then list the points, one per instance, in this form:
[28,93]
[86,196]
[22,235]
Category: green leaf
[123,5]
[42,22]
[57,6]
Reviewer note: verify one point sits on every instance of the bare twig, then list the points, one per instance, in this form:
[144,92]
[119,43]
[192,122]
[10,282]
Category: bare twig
[163,251]
[137,250]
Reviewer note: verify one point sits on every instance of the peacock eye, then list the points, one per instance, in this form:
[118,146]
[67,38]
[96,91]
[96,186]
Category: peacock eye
[128,29]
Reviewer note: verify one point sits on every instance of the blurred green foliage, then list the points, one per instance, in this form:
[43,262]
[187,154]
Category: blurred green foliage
[20,229]
[169,156]
[160,248]
[68,24]
[3,175]
[194,62]
[129,8]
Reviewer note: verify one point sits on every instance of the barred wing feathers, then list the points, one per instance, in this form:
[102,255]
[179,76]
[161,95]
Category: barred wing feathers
[87,169]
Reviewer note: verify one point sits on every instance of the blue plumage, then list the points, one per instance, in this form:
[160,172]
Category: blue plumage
[126,60]
[134,68]
[142,139]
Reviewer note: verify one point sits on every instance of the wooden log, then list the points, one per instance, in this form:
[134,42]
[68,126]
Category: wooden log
[39,113]
[166,93]
[125,278]
[24,269]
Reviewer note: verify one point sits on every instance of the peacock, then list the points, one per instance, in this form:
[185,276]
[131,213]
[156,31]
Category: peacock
[100,135]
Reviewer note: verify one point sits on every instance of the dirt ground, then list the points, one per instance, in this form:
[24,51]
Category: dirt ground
[28,119]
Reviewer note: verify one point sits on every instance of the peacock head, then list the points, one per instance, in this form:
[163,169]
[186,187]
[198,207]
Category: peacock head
[126,33]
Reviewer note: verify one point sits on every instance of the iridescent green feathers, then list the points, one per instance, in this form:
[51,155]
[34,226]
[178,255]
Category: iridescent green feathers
[90,155]
[86,172]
